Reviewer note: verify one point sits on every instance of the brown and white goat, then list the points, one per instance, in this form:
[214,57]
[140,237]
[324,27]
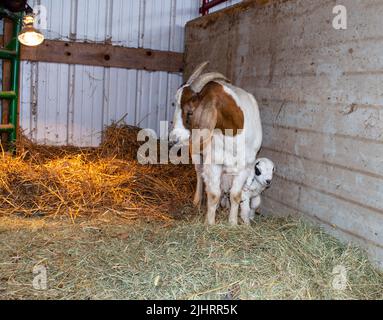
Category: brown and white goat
[224,120]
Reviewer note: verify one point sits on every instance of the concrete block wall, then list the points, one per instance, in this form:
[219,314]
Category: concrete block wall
[320,96]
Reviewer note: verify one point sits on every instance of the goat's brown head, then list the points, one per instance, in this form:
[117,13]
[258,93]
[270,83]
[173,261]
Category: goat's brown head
[202,103]
[207,105]
[197,97]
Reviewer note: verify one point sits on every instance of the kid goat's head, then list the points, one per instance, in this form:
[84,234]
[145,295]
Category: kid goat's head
[264,171]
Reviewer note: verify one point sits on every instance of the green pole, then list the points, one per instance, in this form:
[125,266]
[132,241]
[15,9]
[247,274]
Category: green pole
[7,95]
[15,78]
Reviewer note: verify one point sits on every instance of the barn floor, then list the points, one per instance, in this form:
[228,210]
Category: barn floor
[107,228]
[111,258]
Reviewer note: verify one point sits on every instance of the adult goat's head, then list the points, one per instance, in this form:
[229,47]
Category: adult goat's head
[188,99]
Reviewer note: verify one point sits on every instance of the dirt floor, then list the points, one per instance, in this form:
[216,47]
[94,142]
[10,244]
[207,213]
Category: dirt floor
[113,258]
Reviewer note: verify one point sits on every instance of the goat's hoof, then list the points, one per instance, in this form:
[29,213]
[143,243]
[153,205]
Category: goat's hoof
[210,222]
[233,223]
[246,220]
[197,203]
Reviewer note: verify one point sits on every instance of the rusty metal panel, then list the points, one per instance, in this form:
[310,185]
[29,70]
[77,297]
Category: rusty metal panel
[63,104]
[319,91]
[224,5]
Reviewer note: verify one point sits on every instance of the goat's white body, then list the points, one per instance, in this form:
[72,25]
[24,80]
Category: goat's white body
[234,155]
[241,150]
[237,155]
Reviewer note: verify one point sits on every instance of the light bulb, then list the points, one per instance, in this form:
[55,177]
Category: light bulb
[29,36]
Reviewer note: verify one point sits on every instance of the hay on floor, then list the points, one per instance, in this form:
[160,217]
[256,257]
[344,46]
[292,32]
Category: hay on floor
[42,181]
[111,258]
[115,255]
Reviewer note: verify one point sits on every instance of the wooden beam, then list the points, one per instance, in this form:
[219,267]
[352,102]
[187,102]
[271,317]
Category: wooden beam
[104,55]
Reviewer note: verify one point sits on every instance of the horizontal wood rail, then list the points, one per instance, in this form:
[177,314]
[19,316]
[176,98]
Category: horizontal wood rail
[104,55]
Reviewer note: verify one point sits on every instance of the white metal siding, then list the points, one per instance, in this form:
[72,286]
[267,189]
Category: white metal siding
[63,104]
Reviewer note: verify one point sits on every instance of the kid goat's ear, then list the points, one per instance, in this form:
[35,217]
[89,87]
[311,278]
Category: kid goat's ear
[257,171]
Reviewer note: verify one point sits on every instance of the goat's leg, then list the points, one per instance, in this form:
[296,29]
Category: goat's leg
[212,204]
[212,178]
[199,189]
[236,196]
[254,205]
[245,210]
[252,214]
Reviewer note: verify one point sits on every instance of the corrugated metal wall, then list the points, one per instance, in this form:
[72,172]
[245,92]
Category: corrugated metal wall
[63,104]
[320,94]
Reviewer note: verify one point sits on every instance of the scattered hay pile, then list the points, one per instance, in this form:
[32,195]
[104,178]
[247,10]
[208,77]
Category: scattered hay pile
[105,258]
[43,180]
[120,141]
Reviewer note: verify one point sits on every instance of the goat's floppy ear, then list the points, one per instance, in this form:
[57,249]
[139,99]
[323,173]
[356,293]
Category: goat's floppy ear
[205,116]
[203,125]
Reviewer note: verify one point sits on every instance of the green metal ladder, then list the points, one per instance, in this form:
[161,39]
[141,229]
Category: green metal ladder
[11,52]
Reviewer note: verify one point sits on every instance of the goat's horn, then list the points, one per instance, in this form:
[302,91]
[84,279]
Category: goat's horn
[203,80]
[197,72]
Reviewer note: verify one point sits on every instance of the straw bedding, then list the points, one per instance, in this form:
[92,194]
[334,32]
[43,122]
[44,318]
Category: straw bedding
[125,238]
[111,258]
[43,181]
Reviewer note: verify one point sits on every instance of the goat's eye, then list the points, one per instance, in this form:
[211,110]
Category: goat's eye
[257,172]
[188,116]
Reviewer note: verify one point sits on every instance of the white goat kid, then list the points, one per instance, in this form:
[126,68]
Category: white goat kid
[208,103]
[257,182]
